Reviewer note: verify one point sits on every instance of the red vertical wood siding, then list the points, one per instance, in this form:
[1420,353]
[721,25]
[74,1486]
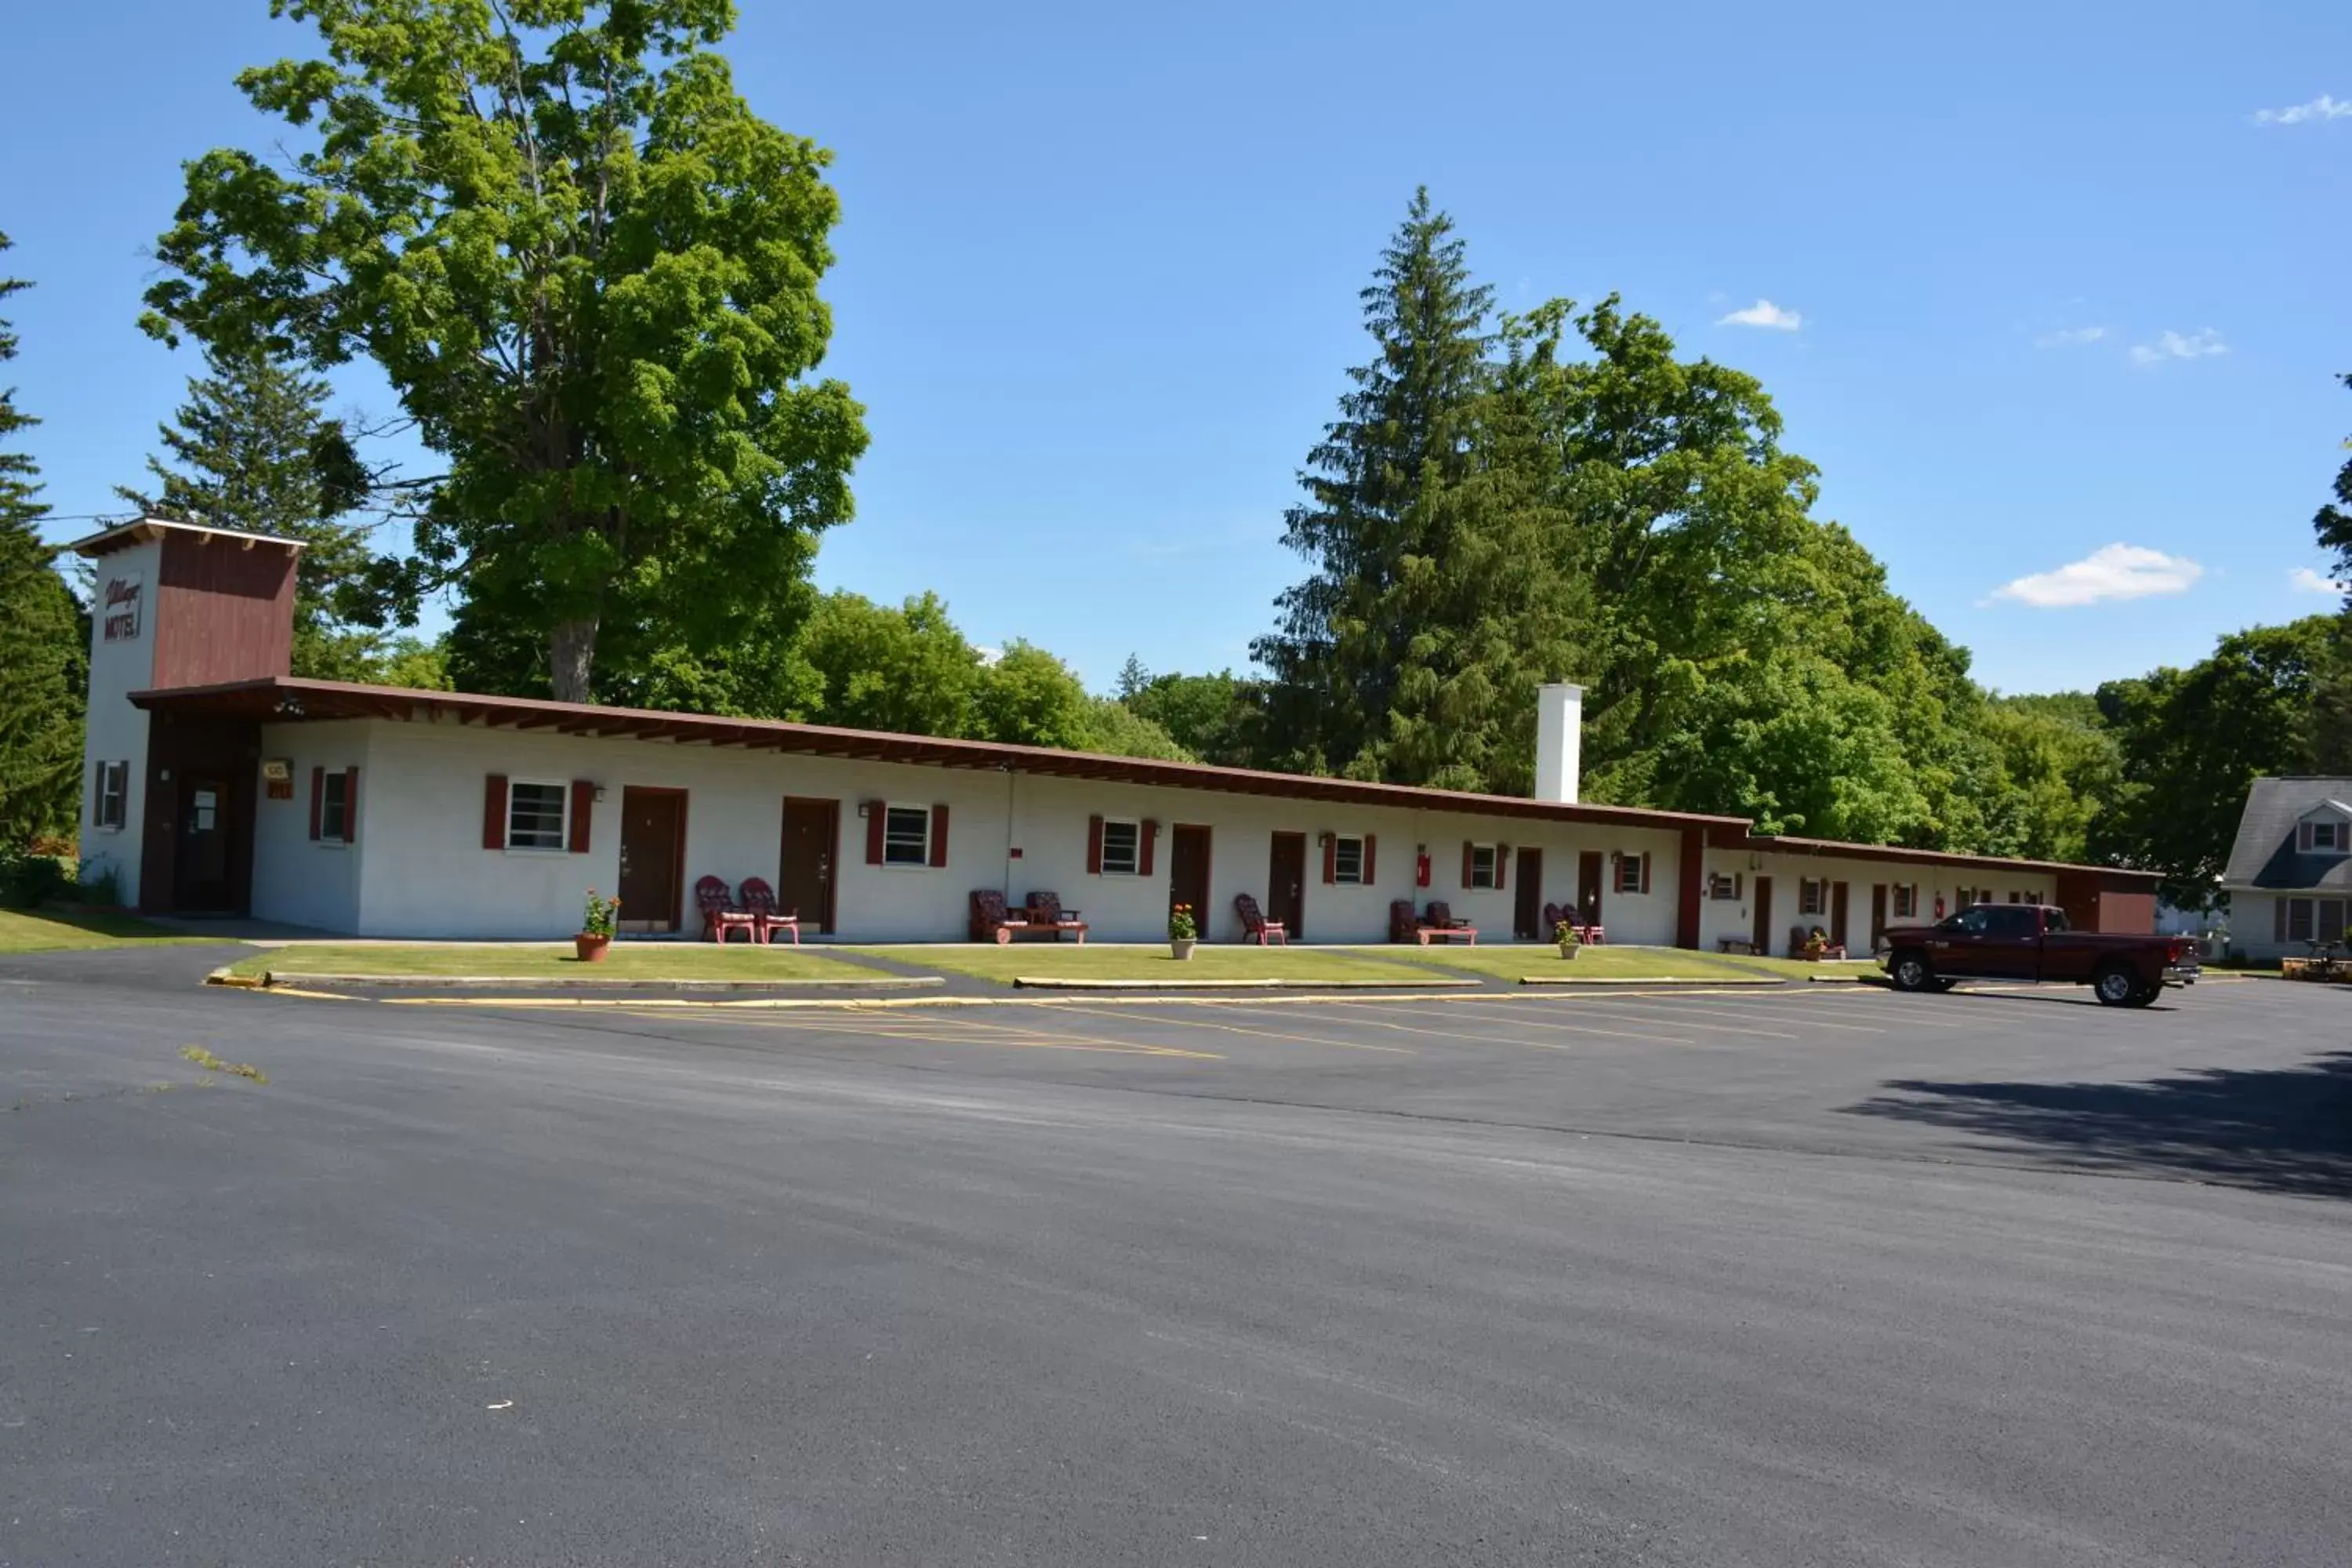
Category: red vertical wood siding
[222,612]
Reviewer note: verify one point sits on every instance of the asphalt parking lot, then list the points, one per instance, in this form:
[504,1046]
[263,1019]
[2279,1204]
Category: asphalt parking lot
[1791,1277]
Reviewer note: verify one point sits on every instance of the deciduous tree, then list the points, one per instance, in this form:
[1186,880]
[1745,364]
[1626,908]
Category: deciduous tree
[590,272]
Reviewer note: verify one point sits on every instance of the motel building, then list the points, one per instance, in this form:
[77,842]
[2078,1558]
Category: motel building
[218,783]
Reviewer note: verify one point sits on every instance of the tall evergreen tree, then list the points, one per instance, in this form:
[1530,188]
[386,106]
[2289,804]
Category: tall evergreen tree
[43,659]
[252,448]
[1413,649]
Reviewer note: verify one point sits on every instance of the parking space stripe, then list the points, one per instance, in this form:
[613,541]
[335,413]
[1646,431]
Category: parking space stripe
[1202,1023]
[1458,1035]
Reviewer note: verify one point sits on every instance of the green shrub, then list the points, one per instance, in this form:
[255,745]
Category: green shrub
[28,881]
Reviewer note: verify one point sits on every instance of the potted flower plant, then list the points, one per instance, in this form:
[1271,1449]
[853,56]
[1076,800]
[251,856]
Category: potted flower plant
[1817,945]
[1183,930]
[1569,937]
[595,934]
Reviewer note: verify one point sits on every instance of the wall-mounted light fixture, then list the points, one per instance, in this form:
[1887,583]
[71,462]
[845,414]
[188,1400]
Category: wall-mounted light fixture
[600,795]
[1323,841]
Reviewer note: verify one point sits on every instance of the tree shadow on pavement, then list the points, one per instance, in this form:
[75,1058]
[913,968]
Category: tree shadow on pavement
[2282,1130]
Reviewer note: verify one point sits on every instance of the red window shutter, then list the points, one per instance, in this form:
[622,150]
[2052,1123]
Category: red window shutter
[583,808]
[1467,858]
[1330,858]
[1372,842]
[350,805]
[318,797]
[877,812]
[1150,834]
[494,810]
[939,835]
[1502,857]
[1646,870]
[1093,846]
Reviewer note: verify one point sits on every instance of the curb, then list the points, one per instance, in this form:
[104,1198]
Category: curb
[1662,980]
[277,977]
[1033,982]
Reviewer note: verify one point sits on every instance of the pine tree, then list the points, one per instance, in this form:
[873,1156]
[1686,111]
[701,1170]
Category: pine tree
[1381,505]
[43,659]
[252,448]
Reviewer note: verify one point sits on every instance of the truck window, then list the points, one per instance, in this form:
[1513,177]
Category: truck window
[2013,920]
[2053,922]
[1971,921]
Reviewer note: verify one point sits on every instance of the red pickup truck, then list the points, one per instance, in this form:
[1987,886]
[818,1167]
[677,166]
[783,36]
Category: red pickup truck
[2031,942]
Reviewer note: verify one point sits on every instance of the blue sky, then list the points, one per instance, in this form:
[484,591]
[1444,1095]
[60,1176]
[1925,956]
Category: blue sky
[2043,282]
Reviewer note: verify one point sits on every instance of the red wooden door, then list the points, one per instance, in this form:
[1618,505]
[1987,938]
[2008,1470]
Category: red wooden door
[1285,883]
[805,875]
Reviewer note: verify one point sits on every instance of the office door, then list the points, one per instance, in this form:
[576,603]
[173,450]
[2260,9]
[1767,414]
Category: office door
[200,862]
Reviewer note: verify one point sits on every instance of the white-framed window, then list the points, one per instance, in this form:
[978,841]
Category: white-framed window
[2331,919]
[335,806]
[2327,836]
[110,798]
[1724,887]
[1629,874]
[1485,865]
[2299,912]
[1813,896]
[538,814]
[907,836]
[1348,860]
[1906,902]
[1122,846]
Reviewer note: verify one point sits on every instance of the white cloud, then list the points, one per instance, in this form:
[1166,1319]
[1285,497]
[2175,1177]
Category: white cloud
[2305,580]
[2320,108]
[2171,345]
[1764,313]
[2112,572]
[2070,337]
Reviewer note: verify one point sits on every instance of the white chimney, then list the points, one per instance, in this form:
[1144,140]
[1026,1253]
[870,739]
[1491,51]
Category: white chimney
[1559,742]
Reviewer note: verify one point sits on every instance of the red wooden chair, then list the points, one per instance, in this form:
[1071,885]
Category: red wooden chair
[1401,921]
[1044,913]
[759,901]
[1255,927]
[720,916]
[989,920]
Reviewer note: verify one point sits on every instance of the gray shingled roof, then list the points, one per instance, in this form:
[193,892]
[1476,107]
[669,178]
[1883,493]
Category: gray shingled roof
[2264,854]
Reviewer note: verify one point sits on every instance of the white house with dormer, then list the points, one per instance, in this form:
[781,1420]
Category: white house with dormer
[2290,872]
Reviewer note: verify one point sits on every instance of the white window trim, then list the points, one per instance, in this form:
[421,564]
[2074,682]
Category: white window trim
[562,788]
[343,840]
[1134,869]
[2338,829]
[1628,865]
[1493,853]
[929,829]
[1339,877]
[120,796]
[2311,920]
[1904,903]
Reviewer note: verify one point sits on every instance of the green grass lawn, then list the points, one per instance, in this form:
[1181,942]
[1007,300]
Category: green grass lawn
[1619,961]
[52,931]
[511,961]
[1097,961]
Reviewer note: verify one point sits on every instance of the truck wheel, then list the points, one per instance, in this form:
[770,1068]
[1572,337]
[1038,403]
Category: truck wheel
[1910,972]
[2145,996]
[2115,986]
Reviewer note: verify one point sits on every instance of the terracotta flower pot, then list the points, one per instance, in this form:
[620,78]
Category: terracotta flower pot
[1180,947]
[591,949]
[1568,949]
